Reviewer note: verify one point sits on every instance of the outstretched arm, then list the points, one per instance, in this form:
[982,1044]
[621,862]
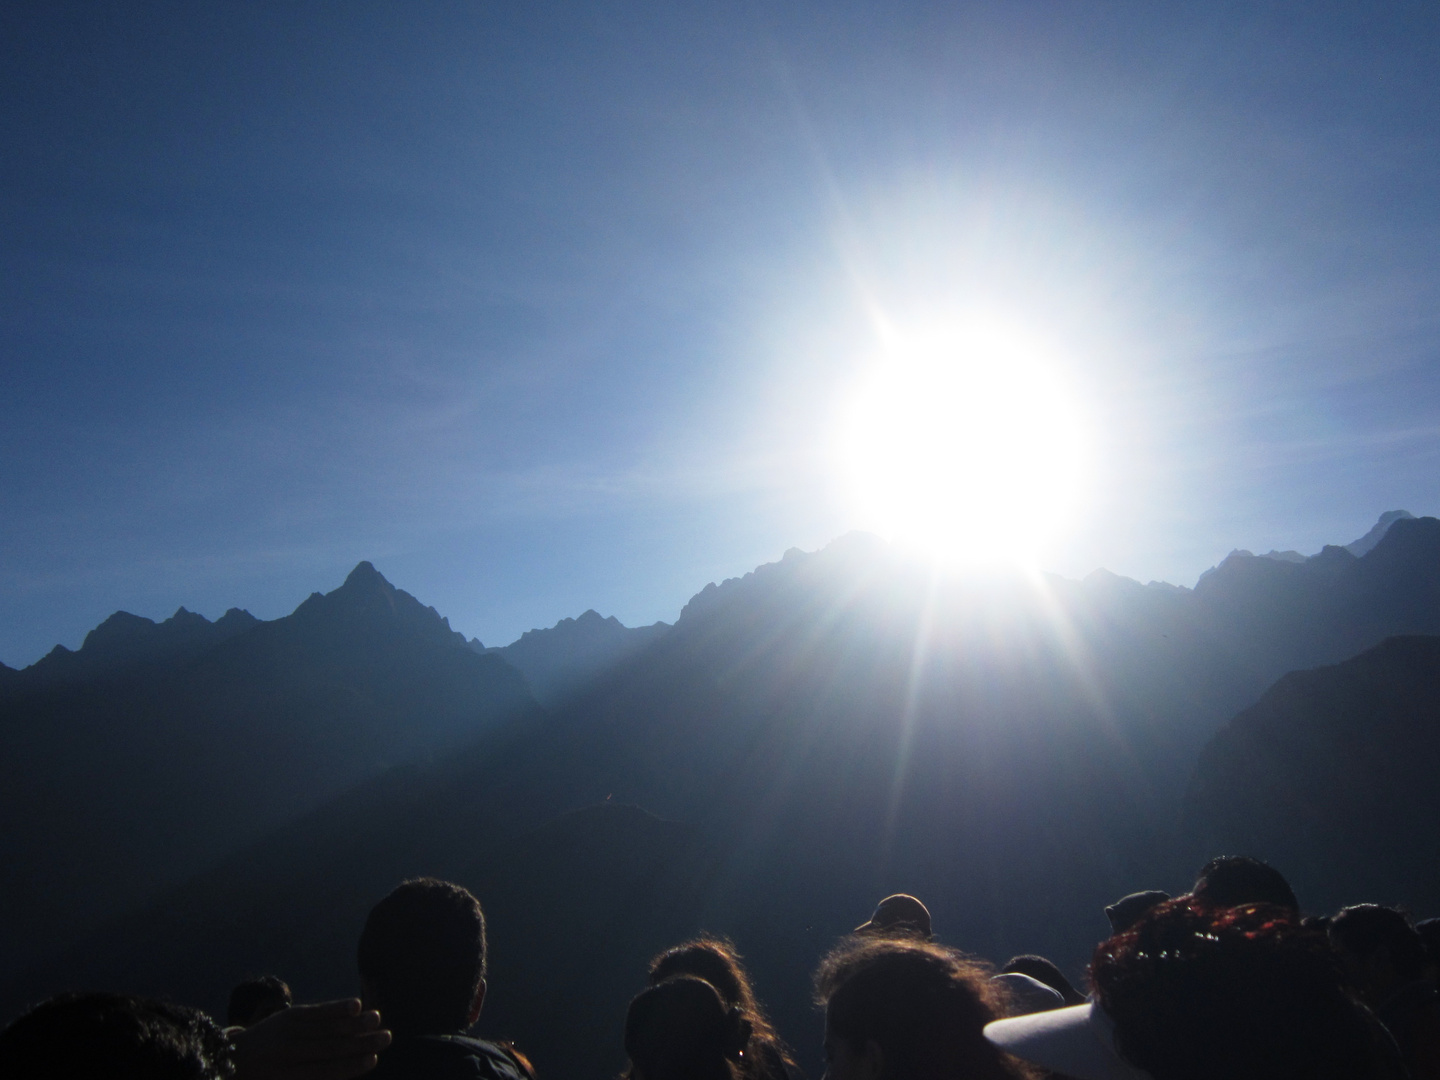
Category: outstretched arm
[335,1040]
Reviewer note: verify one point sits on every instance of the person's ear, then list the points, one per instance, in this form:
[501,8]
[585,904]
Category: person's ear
[477,1003]
[740,1031]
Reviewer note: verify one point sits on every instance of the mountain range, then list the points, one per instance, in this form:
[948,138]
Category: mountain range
[137,760]
[1332,774]
[829,728]
[559,661]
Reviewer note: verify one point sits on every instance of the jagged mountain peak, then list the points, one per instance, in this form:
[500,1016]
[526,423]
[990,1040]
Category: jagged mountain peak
[1331,556]
[364,586]
[367,599]
[236,617]
[124,639]
[123,630]
[585,625]
[1382,526]
[561,659]
[1289,555]
[365,576]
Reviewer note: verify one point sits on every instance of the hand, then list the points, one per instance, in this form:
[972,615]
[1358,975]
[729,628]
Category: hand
[331,1041]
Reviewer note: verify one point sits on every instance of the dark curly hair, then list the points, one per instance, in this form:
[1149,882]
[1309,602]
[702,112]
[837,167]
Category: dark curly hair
[924,1005]
[1200,992]
[113,1035]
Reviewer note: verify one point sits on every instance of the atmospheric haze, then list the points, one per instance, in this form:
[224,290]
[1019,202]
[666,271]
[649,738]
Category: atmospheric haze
[551,310]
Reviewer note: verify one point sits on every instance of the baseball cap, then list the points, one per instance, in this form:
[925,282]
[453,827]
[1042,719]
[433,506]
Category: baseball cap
[900,912]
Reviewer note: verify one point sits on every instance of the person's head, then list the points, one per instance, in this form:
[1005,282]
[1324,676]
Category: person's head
[1198,991]
[907,1009]
[898,916]
[1126,911]
[422,958]
[113,1037]
[1233,880]
[711,959]
[716,961]
[1379,950]
[1042,970]
[681,1029]
[254,999]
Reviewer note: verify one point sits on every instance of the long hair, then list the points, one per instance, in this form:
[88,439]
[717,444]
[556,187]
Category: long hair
[682,1029]
[717,962]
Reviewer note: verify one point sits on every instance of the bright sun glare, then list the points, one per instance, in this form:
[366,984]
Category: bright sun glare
[964,444]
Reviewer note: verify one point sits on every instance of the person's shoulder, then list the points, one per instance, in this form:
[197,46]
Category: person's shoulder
[451,1057]
[502,1060]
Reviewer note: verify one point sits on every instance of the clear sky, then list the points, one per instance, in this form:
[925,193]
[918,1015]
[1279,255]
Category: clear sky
[543,307]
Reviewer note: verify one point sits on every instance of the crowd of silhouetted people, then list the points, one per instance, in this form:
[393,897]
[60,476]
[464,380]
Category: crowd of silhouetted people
[1227,982]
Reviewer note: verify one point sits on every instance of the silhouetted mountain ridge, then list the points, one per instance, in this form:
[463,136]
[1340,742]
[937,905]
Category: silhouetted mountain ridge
[559,661]
[1357,548]
[125,640]
[830,727]
[154,750]
[1331,774]
[366,601]
[1377,533]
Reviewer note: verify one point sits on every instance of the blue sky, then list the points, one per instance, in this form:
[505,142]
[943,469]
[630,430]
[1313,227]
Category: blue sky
[545,307]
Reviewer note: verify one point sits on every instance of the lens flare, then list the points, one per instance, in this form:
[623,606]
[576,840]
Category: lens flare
[964,444]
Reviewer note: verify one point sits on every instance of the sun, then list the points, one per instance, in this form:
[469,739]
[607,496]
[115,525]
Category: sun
[964,443]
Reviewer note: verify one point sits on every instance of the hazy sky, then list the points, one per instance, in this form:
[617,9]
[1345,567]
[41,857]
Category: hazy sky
[543,307]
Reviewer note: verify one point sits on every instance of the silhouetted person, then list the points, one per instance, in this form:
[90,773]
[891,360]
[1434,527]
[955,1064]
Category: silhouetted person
[1198,992]
[1125,912]
[898,916]
[1037,967]
[682,1029]
[1384,961]
[254,999]
[422,964]
[908,1010]
[717,962]
[113,1037]
[1233,880]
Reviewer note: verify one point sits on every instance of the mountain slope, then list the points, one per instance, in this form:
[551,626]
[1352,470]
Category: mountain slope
[1332,774]
[121,778]
[832,727]
[559,661]
[1378,531]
